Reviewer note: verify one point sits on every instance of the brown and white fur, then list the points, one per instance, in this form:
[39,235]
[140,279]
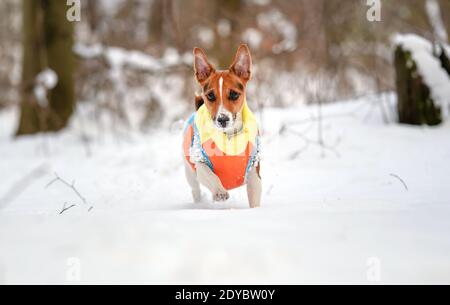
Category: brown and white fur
[223,93]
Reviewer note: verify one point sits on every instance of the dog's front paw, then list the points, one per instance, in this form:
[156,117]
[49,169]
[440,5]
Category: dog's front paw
[221,195]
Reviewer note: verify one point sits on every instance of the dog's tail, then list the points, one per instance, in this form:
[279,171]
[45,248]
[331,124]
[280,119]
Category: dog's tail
[198,102]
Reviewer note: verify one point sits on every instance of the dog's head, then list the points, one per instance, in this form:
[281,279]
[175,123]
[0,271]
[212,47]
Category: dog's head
[223,92]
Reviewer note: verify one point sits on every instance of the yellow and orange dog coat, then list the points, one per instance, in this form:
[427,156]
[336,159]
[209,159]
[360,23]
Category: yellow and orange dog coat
[230,158]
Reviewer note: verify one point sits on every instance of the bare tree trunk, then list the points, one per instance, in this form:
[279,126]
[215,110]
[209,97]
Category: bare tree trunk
[156,22]
[224,47]
[92,15]
[33,63]
[313,33]
[59,45]
[47,41]
[445,10]
[162,24]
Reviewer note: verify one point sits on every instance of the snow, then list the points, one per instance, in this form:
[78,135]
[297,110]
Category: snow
[274,20]
[119,58]
[260,2]
[323,220]
[205,36]
[88,51]
[434,15]
[429,67]
[45,80]
[253,37]
[111,7]
[135,99]
[224,27]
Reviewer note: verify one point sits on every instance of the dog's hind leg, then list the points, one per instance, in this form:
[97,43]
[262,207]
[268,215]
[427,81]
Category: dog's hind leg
[192,180]
[254,188]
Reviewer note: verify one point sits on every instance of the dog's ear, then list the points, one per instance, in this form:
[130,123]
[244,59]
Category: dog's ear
[242,65]
[203,69]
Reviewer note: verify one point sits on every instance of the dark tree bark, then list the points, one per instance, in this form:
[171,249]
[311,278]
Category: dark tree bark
[415,104]
[156,22]
[47,42]
[444,57]
[225,47]
[445,11]
[92,15]
[162,24]
[59,44]
[32,64]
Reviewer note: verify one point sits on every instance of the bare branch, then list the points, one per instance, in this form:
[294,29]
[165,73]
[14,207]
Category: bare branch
[269,190]
[66,208]
[401,180]
[318,118]
[71,186]
[321,144]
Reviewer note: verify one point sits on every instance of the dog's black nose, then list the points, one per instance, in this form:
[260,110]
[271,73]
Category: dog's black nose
[223,120]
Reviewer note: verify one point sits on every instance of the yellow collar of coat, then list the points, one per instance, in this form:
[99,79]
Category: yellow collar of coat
[234,145]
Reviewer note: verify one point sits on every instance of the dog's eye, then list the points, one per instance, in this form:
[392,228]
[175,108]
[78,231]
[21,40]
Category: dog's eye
[211,96]
[234,95]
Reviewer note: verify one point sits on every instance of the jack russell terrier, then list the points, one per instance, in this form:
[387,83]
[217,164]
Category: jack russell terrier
[221,139]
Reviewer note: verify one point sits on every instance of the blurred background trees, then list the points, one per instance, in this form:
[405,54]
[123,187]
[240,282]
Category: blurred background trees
[293,43]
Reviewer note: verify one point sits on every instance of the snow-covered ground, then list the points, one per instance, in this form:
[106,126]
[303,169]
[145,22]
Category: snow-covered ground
[375,207]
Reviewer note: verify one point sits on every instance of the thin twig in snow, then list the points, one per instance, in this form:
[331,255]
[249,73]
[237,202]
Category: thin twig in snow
[321,144]
[317,118]
[401,180]
[319,97]
[269,190]
[66,208]
[71,186]
[319,127]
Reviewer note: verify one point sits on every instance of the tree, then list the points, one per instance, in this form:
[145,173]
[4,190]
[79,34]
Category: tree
[156,22]
[92,15]
[162,24]
[415,103]
[47,43]
[224,46]
[445,11]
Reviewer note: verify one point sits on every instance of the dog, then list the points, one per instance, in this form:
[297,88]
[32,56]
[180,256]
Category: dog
[221,139]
